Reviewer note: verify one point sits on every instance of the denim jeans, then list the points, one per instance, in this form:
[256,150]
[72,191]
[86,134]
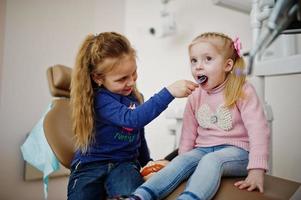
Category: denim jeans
[98,180]
[204,166]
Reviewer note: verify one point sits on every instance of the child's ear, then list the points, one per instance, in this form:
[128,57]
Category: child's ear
[97,79]
[229,65]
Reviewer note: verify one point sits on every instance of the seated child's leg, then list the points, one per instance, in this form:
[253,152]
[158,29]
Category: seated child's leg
[123,179]
[167,179]
[86,181]
[205,181]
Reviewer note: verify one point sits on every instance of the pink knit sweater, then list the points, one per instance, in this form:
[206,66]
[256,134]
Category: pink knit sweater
[207,123]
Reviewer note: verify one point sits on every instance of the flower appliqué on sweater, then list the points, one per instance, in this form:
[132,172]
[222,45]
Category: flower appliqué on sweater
[221,118]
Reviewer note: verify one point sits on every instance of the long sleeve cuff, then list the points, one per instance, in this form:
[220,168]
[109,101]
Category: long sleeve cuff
[258,162]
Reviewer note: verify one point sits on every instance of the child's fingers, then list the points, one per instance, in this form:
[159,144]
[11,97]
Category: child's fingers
[188,92]
[260,187]
[244,185]
[252,187]
[238,183]
[249,186]
[191,85]
[190,88]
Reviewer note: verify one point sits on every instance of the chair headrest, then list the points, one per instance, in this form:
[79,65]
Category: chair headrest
[59,79]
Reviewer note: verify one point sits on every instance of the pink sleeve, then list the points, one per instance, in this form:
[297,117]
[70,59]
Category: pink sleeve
[254,119]
[189,128]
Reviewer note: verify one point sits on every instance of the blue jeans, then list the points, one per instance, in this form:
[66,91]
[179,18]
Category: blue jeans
[98,180]
[204,165]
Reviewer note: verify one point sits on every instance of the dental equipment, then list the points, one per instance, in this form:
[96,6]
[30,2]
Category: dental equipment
[282,15]
[167,25]
[202,79]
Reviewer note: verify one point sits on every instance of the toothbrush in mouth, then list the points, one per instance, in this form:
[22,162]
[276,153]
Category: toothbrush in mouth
[202,79]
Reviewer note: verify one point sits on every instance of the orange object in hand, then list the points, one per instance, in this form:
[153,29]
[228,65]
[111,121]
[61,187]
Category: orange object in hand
[151,169]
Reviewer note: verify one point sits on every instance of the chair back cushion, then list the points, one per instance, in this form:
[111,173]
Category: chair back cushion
[57,122]
[59,79]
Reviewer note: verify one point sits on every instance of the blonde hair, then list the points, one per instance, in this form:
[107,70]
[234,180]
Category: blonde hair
[97,54]
[235,78]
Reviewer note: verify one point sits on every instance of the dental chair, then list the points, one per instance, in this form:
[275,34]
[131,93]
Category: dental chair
[58,132]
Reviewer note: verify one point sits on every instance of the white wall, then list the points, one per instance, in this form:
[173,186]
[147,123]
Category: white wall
[2,20]
[38,34]
[164,60]
[283,94]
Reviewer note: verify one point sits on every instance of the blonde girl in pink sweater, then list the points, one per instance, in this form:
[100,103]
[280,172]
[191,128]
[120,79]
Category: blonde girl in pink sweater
[225,131]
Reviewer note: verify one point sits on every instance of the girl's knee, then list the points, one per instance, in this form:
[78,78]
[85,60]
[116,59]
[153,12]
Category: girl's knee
[211,160]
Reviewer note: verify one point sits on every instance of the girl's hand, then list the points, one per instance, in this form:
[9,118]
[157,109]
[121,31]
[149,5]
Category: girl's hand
[182,88]
[254,180]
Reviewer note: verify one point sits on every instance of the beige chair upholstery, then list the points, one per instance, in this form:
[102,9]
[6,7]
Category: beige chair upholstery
[58,132]
[57,122]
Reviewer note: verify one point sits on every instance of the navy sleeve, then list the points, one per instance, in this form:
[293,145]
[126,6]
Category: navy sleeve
[111,110]
[144,155]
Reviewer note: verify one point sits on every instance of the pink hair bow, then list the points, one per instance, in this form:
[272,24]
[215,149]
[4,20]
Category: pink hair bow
[237,46]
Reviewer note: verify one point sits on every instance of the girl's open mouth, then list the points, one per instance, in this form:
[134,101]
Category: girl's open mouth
[128,90]
[202,79]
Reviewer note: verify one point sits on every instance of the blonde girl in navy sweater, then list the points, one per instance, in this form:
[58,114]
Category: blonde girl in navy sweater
[109,117]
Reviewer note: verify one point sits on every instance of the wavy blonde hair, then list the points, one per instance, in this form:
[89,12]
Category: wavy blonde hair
[235,78]
[97,54]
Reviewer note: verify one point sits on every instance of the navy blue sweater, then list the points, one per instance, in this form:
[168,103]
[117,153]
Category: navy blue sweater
[119,127]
